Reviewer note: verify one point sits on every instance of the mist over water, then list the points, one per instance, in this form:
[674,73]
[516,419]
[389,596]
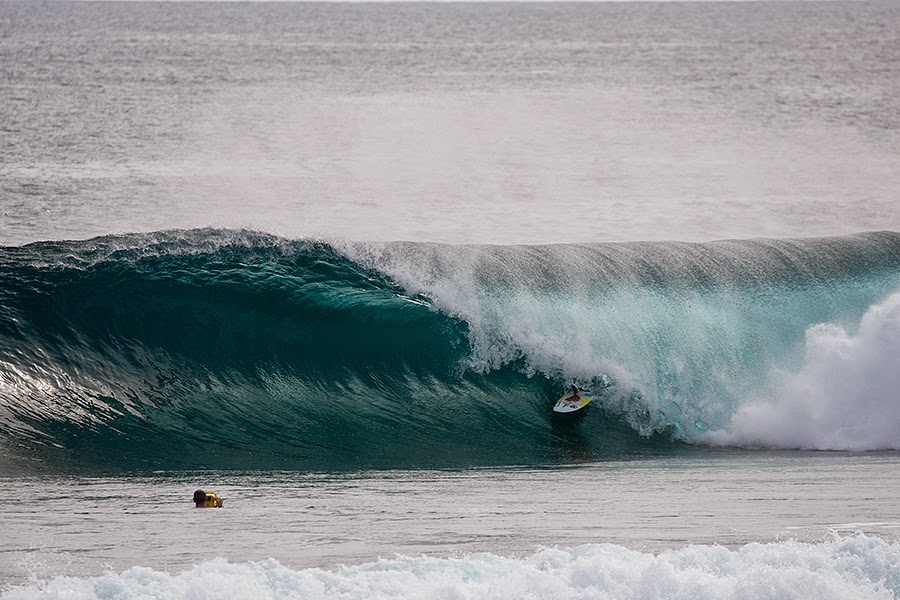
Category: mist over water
[335,261]
[451,122]
[693,336]
[263,351]
[843,397]
[365,124]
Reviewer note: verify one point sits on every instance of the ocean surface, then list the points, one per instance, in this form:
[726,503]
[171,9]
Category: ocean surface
[336,261]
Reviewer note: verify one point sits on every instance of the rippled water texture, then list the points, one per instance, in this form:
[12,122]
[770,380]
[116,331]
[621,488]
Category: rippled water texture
[365,247]
[509,123]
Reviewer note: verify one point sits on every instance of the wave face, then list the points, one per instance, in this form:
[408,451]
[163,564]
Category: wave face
[232,349]
[841,569]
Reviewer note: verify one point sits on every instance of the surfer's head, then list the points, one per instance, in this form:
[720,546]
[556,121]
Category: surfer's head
[207,499]
[200,498]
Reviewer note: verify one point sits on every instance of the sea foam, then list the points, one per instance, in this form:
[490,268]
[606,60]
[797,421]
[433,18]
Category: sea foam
[845,397]
[743,343]
[839,569]
[132,346]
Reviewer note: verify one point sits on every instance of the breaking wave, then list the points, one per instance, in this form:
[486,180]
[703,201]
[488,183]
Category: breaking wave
[842,569]
[235,349]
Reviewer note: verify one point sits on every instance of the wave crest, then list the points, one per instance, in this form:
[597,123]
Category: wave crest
[236,349]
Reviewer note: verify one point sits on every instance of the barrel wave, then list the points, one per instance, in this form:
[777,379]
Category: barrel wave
[235,349]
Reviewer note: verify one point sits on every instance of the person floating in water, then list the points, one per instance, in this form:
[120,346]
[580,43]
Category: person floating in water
[207,500]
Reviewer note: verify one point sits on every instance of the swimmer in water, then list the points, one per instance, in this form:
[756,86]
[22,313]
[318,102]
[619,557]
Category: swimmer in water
[207,500]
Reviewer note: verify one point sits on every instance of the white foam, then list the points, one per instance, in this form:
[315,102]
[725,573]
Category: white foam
[683,362]
[845,397]
[840,569]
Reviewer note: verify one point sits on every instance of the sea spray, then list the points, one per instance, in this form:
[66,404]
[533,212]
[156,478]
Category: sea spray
[846,396]
[677,336]
[851,568]
[236,349]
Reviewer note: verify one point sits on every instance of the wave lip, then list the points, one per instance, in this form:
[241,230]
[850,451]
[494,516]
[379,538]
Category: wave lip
[857,567]
[233,349]
[241,350]
[680,337]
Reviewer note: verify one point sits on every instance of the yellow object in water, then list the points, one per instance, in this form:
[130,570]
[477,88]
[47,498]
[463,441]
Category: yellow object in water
[207,500]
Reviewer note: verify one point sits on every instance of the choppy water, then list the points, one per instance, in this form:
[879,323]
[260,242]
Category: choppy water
[658,528]
[335,261]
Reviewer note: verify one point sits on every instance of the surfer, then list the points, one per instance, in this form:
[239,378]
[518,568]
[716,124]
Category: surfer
[573,402]
[207,500]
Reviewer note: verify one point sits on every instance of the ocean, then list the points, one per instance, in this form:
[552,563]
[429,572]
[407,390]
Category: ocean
[336,261]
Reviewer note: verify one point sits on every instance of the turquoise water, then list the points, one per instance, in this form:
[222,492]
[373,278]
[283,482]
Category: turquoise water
[372,441]
[222,349]
[335,262]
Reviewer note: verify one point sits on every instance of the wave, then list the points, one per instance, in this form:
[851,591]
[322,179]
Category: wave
[848,568]
[235,349]
[844,396]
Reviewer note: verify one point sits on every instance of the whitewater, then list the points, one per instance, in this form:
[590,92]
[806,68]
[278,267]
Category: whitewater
[335,262]
[224,343]
[200,335]
[720,525]
[854,568]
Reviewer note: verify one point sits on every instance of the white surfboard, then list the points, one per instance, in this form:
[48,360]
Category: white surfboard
[571,403]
